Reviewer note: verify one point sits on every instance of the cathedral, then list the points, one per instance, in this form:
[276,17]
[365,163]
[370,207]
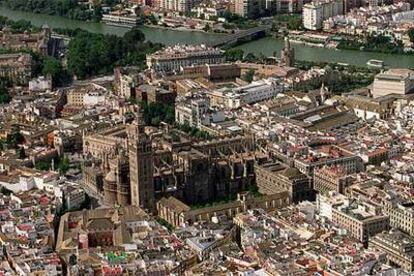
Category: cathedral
[137,165]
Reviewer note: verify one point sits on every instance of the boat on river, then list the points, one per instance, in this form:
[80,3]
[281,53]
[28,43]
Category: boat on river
[376,63]
[121,21]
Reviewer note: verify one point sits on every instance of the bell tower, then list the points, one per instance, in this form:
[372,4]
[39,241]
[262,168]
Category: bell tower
[141,164]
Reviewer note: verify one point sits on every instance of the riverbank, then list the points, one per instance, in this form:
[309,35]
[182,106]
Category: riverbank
[66,8]
[97,20]
[376,44]
[266,46]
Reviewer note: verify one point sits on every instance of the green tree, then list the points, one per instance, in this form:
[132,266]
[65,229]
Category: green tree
[3,145]
[250,57]
[207,28]
[68,8]
[4,93]
[21,153]
[411,34]
[291,22]
[53,68]
[152,19]
[64,165]
[5,191]
[14,139]
[20,26]
[93,54]
[42,165]
[3,21]
[249,75]
[155,121]
[133,40]
[234,54]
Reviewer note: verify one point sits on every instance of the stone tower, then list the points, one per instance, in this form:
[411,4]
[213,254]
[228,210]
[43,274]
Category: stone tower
[123,183]
[110,184]
[43,44]
[141,164]
[287,56]
[324,93]
[116,182]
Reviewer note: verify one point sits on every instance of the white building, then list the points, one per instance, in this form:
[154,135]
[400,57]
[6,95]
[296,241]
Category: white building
[207,11]
[119,20]
[87,95]
[178,5]
[176,57]
[190,111]
[326,203]
[316,12]
[393,81]
[46,181]
[40,84]
[94,98]
[254,92]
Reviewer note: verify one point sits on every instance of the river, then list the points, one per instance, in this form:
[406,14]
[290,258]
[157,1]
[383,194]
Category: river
[267,45]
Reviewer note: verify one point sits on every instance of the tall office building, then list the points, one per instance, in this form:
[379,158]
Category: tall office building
[316,12]
[176,5]
[249,8]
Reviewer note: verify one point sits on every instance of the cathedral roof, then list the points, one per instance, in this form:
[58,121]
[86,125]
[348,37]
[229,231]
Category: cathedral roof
[291,173]
[99,223]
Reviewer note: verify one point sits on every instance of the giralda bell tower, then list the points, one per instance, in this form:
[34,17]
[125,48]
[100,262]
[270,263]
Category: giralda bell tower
[141,164]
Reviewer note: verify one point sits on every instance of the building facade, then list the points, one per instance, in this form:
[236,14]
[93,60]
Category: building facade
[174,58]
[402,217]
[393,81]
[177,213]
[360,221]
[274,177]
[398,248]
[334,178]
[16,67]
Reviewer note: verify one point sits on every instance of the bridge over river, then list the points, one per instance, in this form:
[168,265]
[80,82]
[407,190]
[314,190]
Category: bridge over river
[233,38]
